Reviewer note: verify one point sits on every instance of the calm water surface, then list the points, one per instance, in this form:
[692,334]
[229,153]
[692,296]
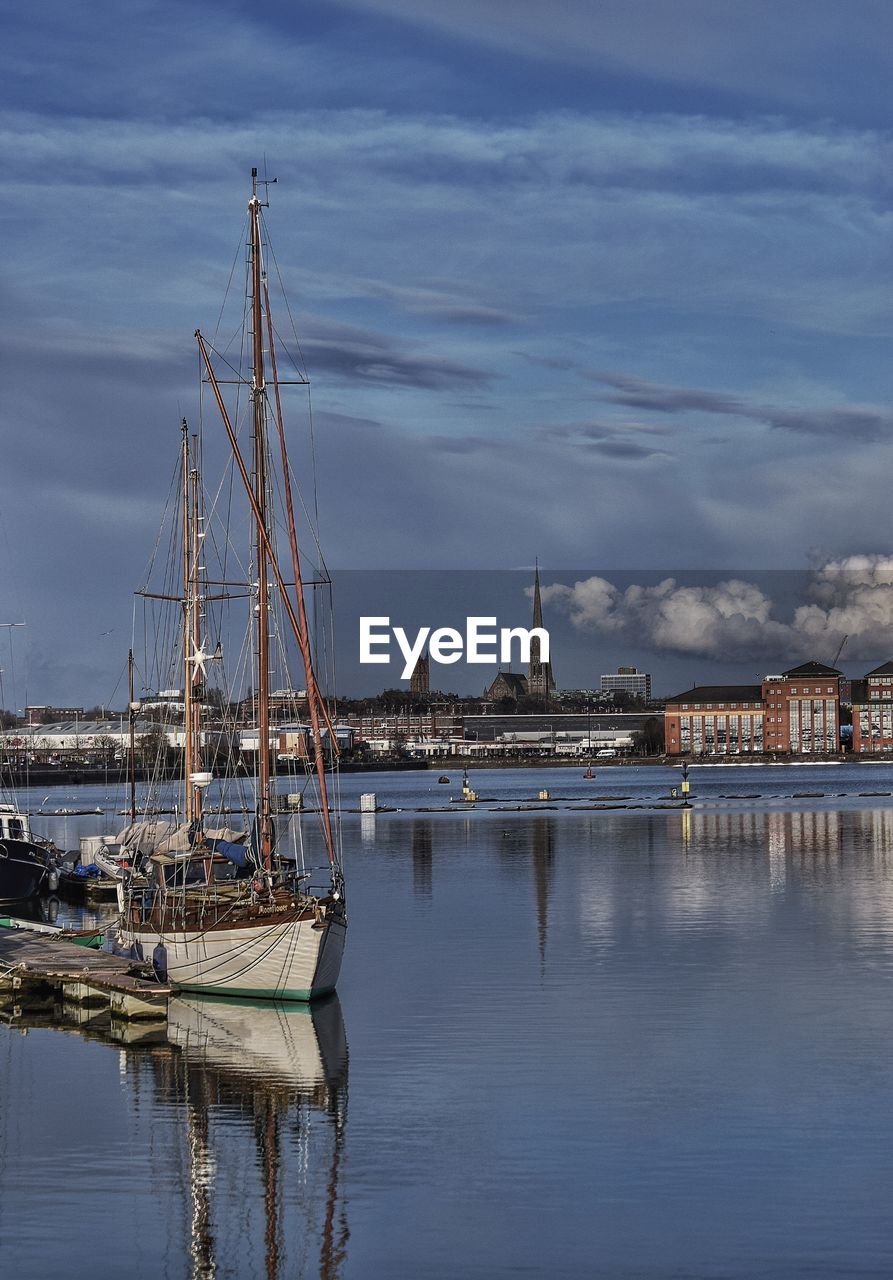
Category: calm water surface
[638,1042]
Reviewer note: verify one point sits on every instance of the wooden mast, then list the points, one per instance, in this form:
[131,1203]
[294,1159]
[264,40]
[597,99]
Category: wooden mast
[266,555]
[191,634]
[314,701]
[131,718]
[187,629]
[258,392]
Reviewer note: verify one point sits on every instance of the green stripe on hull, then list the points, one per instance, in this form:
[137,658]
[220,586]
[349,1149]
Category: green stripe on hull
[251,993]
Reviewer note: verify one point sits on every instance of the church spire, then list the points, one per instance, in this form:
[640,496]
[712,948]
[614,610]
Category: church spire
[537,602]
[539,675]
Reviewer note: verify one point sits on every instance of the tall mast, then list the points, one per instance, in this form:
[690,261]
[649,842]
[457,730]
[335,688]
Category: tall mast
[132,708]
[255,488]
[191,633]
[315,704]
[258,392]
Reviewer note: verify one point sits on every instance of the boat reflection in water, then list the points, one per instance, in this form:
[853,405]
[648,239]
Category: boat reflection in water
[263,1088]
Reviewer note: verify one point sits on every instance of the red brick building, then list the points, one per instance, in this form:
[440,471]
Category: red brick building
[714,720]
[873,711]
[802,709]
[796,713]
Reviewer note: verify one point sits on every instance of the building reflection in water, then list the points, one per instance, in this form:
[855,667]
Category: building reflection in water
[778,853]
[542,853]
[738,867]
[263,1087]
[422,837]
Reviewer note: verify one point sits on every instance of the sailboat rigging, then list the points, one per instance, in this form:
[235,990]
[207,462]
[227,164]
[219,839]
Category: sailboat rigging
[236,912]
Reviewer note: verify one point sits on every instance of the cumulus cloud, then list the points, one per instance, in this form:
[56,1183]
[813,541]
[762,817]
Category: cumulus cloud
[735,619]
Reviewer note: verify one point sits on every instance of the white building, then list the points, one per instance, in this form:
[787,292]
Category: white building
[627,680]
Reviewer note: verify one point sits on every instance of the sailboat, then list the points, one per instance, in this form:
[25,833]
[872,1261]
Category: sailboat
[228,911]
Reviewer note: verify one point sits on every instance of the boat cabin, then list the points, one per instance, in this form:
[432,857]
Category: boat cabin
[13,825]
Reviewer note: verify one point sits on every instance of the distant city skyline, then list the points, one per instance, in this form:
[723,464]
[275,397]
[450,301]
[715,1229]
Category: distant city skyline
[682,634]
[606,286]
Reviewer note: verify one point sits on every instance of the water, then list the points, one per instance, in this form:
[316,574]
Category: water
[639,1042]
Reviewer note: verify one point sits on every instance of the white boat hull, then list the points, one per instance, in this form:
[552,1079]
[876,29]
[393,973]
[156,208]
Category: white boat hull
[285,960]
[299,1046]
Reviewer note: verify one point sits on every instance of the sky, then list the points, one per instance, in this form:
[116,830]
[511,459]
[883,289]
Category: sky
[603,282]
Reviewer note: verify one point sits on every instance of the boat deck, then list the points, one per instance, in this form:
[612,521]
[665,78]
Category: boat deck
[36,966]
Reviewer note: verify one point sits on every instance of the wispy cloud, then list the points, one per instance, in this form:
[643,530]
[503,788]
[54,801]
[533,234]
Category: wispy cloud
[626,441]
[636,393]
[372,363]
[690,42]
[842,423]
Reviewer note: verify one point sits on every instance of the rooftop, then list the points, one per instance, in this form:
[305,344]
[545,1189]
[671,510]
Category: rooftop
[720,693]
[809,669]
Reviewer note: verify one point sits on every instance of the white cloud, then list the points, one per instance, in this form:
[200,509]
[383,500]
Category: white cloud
[734,620]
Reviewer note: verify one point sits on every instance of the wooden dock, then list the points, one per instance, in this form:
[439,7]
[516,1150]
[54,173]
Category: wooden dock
[35,967]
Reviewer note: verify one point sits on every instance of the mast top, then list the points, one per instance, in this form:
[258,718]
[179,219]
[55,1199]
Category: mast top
[255,182]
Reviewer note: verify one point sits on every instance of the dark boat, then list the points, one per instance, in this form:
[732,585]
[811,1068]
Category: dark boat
[25,867]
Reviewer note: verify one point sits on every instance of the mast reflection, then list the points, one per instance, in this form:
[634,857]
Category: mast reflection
[265,1085]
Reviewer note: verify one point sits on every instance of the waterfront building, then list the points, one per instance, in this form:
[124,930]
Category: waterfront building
[797,712]
[600,730]
[873,711]
[627,680]
[46,715]
[802,708]
[714,720]
[89,741]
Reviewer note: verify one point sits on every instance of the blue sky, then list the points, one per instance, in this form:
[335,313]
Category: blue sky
[606,283]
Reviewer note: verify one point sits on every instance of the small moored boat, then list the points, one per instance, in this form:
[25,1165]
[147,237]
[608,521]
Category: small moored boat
[25,866]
